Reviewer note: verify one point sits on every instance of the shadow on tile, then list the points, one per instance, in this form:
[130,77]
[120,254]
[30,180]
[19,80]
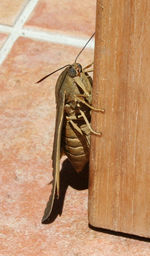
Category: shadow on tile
[120,234]
[68,177]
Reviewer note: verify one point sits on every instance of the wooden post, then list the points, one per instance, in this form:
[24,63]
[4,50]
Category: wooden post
[119,189]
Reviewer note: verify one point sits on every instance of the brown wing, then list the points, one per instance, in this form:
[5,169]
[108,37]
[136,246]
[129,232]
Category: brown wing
[56,155]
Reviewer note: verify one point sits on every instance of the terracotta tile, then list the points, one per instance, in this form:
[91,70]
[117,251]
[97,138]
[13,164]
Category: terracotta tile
[69,16]
[2,39]
[27,114]
[9,10]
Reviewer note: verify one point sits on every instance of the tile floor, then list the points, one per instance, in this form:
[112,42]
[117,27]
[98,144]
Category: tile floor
[36,37]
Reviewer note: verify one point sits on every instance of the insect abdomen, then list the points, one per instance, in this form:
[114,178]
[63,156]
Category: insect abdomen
[76,146]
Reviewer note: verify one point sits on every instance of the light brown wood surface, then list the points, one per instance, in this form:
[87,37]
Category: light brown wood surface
[119,189]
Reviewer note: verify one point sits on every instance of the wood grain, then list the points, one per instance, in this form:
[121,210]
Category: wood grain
[119,190]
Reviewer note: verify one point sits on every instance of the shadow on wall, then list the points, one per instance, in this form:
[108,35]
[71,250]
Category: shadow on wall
[68,176]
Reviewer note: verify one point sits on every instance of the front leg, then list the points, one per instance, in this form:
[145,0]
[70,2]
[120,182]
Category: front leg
[80,97]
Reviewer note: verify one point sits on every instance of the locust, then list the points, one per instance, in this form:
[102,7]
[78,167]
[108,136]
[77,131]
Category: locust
[73,93]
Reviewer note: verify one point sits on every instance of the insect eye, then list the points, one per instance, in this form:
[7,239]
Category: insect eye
[72,72]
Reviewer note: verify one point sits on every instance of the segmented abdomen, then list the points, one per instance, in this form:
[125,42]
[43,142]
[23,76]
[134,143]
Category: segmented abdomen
[75,145]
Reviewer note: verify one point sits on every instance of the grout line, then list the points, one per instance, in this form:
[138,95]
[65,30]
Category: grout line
[57,38]
[16,29]
[7,46]
[25,13]
[49,36]
[5,29]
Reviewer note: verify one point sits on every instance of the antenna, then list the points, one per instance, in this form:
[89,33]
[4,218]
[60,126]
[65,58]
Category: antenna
[84,47]
[51,74]
[67,64]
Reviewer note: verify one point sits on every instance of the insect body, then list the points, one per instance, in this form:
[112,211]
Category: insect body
[72,130]
[73,94]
